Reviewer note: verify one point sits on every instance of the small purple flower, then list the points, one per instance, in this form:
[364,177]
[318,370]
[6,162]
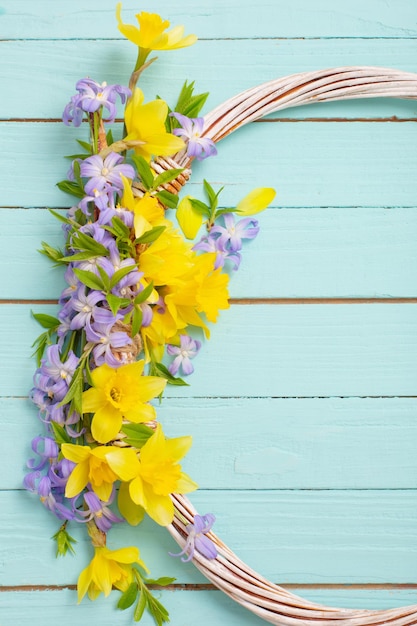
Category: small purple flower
[197,540]
[47,449]
[91,97]
[107,171]
[86,306]
[232,233]
[99,512]
[100,197]
[191,131]
[106,339]
[183,353]
[209,243]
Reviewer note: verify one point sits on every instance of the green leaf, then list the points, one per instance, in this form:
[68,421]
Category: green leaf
[60,434]
[46,321]
[141,606]
[120,228]
[163,372]
[137,317]
[109,137]
[162,582]
[166,177]
[189,104]
[170,200]
[144,294]
[60,217]
[144,170]
[54,254]
[151,235]
[200,207]
[211,194]
[40,344]
[136,434]
[157,610]
[128,597]
[116,303]
[64,541]
[72,188]
[74,393]
[86,145]
[85,242]
[89,279]
[121,273]
[104,277]
[223,212]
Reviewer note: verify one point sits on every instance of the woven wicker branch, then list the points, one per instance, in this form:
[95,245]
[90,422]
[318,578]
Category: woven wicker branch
[227,572]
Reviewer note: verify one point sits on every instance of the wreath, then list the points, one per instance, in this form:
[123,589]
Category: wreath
[142,290]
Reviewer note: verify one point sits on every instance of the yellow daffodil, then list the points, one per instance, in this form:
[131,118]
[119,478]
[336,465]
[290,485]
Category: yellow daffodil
[255,201]
[107,569]
[91,467]
[212,293]
[168,259]
[145,124]
[151,33]
[148,212]
[153,476]
[118,394]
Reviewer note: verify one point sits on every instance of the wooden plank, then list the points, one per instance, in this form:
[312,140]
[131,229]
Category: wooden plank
[274,18]
[310,164]
[303,253]
[262,59]
[280,351]
[320,443]
[185,606]
[346,537]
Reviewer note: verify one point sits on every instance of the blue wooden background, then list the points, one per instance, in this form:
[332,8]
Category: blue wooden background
[303,407]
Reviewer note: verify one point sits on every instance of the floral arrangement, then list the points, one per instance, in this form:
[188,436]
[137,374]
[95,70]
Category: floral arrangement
[141,290]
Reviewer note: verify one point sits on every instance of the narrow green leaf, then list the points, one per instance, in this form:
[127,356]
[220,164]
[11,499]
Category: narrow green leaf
[170,200]
[89,279]
[200,207]
[87,146]
[54,254]
[137,317]
[116,303]
[60,434]
[162,582]
[85,242]
[78,256]
[104,277]
[74,393]
[121,273]
[140,607]
[144,294]
[196,103]
[137,434]
[120,227]
[163,372]
[128,597]
[166,177]
[46,321]
[144,171]
[109,137]
[40,344]
[151,235]
[71,187]
[60,217]
[223,212]
[157,610]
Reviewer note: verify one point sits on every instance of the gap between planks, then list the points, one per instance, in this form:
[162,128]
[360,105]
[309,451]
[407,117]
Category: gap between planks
[210,587]
[273,120]
[273,301]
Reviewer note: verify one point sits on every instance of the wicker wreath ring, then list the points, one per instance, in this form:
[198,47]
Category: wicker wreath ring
[227,572]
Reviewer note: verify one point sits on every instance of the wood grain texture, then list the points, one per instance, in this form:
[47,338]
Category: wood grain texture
[303,417]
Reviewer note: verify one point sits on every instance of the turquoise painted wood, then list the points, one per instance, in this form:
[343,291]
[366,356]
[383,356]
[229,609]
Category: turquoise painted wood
[303,415]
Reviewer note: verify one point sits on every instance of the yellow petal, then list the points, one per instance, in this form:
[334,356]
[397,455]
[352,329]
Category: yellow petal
[141,414]
[136,491]
[160,144]
[178,447]
[186,484]
[151,387]
[92,400]
[133,513]
[77,480]
[123,555]
[188,218]
[256,201]
[75,453]
[103,491]
[102,375]
[84,580]
[159,508]
[123,462]
[106,424]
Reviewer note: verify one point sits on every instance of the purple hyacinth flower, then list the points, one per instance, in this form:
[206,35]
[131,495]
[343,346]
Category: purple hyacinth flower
[47,449]
[58,370]
[105,171]
[85,304]
[91,97]
[209,243]
[232,233]
[183,353]
[197,539]
[106,339]
[99,512]
[99,197]
[192,128]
